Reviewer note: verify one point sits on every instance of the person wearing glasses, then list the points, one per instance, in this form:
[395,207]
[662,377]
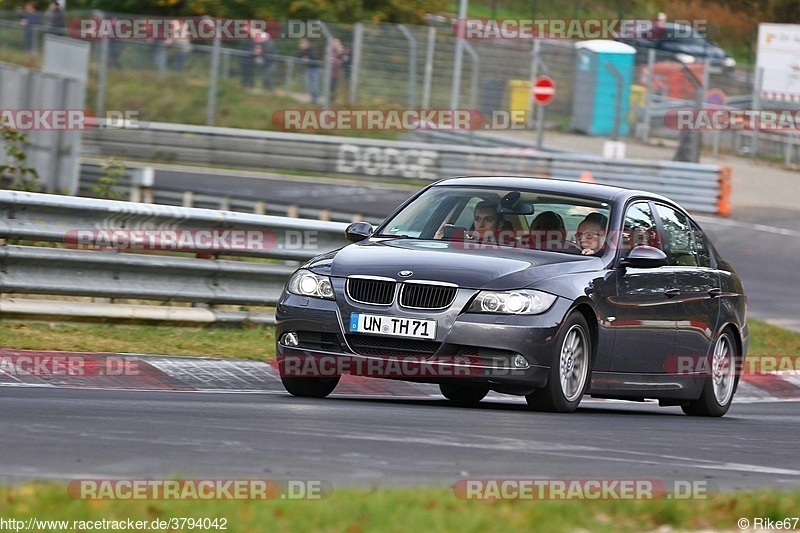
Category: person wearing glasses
[591,234]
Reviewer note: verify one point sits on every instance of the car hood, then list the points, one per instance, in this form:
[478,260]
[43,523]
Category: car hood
[488,267]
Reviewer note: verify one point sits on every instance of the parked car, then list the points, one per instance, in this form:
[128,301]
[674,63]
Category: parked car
[686,45]
[575,289]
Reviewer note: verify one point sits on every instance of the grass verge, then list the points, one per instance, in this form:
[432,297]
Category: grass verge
[244,342]
[233,343]
[417,509]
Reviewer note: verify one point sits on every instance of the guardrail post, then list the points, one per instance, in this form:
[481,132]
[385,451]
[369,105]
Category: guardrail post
[142,185]
[293,211]
[259,208]
[188,199]
[325,215]
[224,204]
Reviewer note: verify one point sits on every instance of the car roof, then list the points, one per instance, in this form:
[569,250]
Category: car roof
[606,193]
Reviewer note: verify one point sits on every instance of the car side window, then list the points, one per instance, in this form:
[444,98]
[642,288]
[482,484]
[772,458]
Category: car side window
[639,228]
[677,237]
[701,248]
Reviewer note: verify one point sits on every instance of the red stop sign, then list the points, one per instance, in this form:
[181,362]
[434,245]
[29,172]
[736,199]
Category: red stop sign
[544,90]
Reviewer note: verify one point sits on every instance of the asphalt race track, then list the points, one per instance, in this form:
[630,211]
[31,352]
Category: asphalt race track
[64,434]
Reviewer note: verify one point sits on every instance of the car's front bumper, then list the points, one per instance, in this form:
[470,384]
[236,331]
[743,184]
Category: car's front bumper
[471,348]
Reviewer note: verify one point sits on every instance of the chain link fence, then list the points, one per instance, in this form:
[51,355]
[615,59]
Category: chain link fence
[388,66]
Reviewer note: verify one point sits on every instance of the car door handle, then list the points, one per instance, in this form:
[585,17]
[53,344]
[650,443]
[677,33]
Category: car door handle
[716,291]
[672,293]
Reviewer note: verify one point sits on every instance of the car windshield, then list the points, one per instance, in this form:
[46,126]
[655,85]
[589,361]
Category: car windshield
[504,217]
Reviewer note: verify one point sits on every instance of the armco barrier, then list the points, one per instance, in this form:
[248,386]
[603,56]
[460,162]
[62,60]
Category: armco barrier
[127,185]
[146,276]
[697,187]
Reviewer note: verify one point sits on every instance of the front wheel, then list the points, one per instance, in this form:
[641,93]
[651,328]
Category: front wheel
[310,387]
[569,370]
[717,395]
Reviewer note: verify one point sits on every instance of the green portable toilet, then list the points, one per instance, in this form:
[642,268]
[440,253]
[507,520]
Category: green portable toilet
[594,102]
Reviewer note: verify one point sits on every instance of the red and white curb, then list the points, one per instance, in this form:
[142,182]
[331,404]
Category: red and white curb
[169,373]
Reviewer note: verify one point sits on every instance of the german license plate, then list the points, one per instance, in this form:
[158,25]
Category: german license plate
[391,325]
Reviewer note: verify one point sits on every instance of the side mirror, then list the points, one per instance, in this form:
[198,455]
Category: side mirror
[644,257]
[358,231]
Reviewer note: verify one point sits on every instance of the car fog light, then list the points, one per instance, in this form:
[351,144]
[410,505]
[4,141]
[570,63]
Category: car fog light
[290,339]
[520,362]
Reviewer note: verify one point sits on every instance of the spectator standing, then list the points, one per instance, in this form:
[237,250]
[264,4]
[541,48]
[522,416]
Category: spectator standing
[336,66]
[311,61]
[183,44]
[347,60]
[58,18]
[160,41]
[247,62]
[269,52]
[30,20]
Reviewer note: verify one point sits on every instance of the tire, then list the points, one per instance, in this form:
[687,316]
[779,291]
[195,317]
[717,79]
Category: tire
[463,394]
[717,395]
[570,370]
[310,387]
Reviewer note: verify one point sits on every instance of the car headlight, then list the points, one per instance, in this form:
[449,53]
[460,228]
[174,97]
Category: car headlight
[685,58]
[729,62]
[521,302]
[305,283]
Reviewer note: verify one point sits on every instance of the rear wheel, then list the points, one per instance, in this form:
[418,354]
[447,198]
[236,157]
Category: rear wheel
[569,370]
[717,395]
[310,387]
[463,394]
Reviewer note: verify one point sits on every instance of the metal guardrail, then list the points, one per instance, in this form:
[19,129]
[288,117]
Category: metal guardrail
[700,188]
[173,278]
[131,186]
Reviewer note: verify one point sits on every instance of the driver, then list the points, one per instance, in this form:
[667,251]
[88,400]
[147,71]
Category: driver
[487,222]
